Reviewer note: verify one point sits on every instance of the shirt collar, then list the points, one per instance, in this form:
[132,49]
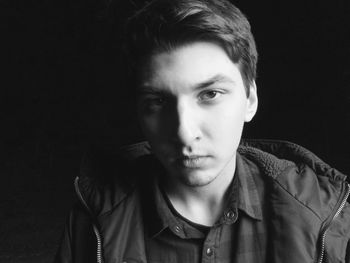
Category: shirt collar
[155,210]
[248,197]
[165,218]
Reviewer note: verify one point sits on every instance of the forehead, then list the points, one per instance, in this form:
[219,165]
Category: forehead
[188,65]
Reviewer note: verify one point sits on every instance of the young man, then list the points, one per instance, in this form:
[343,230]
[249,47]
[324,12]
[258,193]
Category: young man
[196,192]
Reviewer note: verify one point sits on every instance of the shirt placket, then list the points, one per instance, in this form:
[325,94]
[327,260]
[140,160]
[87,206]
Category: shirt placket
[210,244]
[214,238]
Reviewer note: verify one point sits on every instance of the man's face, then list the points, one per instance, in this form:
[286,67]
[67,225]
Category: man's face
[192,108]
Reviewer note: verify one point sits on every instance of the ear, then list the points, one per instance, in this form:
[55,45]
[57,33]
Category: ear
[252,103]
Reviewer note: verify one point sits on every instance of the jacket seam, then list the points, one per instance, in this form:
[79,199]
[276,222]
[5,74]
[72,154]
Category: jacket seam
[115,205]
[300,202]
[98,215]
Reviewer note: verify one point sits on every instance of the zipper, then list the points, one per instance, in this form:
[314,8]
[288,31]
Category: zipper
[96,231]
[323,239]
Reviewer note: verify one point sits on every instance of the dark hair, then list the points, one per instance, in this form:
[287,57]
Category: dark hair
[161,25]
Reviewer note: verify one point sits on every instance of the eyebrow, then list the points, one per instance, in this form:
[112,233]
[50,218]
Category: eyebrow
[146,89]
[219,78]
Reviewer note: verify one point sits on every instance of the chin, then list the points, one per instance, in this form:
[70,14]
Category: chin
[196,179]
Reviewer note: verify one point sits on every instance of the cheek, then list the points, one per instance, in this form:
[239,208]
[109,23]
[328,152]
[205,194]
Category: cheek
[225,130]
[147,124]
[151,127]
[226,120]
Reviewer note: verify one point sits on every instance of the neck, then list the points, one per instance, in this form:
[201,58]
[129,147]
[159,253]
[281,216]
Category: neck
[201,204]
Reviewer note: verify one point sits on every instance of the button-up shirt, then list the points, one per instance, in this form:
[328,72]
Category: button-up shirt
[239,235]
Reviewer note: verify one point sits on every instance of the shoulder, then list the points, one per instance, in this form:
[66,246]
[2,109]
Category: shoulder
[109,176]
[297,174]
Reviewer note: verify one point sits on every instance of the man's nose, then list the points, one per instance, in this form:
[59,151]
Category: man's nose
[187,124]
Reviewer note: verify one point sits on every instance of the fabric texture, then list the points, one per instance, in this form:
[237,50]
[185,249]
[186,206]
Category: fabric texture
[299,206]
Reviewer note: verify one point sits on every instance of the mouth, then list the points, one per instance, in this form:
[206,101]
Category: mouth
[192,161]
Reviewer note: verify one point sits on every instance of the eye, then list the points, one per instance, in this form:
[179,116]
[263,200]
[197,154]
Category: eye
[153,103]
[209,95]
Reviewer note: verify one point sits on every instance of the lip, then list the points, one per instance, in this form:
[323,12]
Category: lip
[192,161]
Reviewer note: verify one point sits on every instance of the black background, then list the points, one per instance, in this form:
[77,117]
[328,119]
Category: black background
[63,88]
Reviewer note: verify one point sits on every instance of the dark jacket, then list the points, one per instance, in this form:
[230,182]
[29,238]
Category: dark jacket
[309,217]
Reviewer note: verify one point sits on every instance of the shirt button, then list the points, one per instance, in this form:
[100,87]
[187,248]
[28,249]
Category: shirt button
[209,251]
[177,229]
[230,214]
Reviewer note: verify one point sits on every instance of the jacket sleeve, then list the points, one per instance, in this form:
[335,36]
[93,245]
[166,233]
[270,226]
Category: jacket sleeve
[78,243]
[338,238]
